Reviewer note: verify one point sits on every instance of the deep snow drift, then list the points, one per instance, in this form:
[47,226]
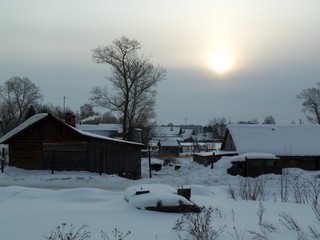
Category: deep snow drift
[33,203]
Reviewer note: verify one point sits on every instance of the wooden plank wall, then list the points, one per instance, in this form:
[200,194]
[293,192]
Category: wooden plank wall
[65,156]
[26,155]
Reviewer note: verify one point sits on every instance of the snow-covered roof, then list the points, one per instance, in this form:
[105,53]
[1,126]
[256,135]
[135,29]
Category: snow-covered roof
[186,133]
[166,131]
[281,140]
[41,116]
[216,153]
[93,135]
[24,125]
[169,143]
[100,127]
[244,156]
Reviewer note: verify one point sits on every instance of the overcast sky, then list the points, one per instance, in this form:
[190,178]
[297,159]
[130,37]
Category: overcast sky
[270,50]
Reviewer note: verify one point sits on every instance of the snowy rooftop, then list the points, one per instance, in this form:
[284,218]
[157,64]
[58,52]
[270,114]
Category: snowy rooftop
[281,140]
[41,116]
[23,125]
[100,127]
[169,143]
[166,131]
[186,133]
[244,156]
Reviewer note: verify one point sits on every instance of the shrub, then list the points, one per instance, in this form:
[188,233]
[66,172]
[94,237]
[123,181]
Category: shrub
[197,226]
[265,227]
[252,188]
[314,186]
[64,233]
[314,230]
[248,189]
[117,235]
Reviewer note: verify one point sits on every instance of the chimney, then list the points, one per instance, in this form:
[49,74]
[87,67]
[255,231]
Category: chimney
[70,119]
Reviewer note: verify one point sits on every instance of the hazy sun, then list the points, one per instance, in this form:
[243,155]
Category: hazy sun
[221,61]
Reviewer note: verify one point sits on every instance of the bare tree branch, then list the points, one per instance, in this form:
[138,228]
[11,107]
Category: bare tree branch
[133,80]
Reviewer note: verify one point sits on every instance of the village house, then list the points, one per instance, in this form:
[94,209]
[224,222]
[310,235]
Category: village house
[109,130]
[49,143]
[165,133]
[103,129]
[169,148]
[272,147]
[185,139]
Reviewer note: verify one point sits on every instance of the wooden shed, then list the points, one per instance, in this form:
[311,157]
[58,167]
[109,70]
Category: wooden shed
[293,145]
[169,148]
[208,158]
[255,164]
[46,142]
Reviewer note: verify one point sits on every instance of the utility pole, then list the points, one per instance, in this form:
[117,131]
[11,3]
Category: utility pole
[64,103]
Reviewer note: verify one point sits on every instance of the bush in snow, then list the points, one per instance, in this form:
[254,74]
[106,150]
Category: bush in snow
[238,234]
[117,235]
[64,233]
[265,228]
[314,230]
[292,224]
[314,192]
[284,184]
[303,190]
[197,226]
[249,189]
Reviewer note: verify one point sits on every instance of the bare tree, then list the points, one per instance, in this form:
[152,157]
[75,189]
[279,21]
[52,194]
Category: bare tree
[269,120]
[133,79]
[252,121]
[17,95]
[55,110]
[218,127]
[86,111]
[218,121]
[311,103]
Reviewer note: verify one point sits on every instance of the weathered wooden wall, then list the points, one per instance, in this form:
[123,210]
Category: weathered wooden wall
[114,158]
[52,145]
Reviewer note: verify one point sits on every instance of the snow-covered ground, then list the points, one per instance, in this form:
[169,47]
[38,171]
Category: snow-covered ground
[33,203]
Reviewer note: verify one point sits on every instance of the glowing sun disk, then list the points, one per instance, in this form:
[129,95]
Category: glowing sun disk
[221,61]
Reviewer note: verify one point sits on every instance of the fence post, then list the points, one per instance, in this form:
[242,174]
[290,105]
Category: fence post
[149,156]
[3,159]
[212,160]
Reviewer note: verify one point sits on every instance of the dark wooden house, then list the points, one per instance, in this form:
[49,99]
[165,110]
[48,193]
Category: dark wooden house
[295,146]
[255,164]
[169,148]
[46,142]
[208,158]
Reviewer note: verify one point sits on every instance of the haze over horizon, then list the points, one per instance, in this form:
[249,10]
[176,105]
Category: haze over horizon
[235,59]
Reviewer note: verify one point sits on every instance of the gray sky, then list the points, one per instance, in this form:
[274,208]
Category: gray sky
[270,50]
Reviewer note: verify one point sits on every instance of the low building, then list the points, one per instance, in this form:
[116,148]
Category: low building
[103,129]
[163,133]
[294,145]
[46,142]
[255,164]
[168,148]
[210,157]
[109,130]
